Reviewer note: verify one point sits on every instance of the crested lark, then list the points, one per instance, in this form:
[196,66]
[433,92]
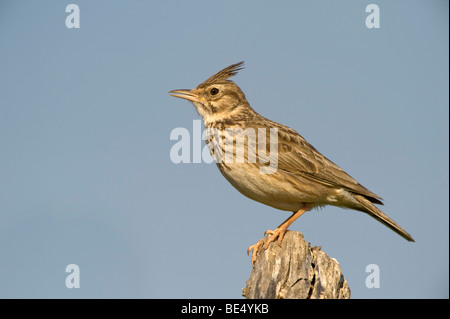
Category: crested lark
[297,178]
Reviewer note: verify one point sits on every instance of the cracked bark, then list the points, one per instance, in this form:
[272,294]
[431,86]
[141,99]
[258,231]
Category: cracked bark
[295,271]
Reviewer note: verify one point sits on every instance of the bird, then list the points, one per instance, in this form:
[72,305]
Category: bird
[297,177]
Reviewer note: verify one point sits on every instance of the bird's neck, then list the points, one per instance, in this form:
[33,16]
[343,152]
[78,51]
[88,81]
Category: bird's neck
[241,112]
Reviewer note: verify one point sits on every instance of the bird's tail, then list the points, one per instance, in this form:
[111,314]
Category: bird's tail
[373,211]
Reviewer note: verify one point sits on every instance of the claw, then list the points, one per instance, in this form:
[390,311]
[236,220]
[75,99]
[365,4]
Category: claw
[269,237]
[254,248]
[278,233]
[268,232]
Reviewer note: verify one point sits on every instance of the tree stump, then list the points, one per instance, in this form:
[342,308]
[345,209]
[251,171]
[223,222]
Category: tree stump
[295,271]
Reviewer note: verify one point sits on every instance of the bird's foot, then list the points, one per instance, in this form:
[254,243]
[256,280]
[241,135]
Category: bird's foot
[277,234]
[254,249]
[270,236]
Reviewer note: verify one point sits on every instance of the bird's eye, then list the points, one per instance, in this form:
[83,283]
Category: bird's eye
[214,91]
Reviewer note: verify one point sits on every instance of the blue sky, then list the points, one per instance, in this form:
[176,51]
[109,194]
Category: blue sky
[85,120]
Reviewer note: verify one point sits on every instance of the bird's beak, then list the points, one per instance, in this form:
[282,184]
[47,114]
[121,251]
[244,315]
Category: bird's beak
[185,94]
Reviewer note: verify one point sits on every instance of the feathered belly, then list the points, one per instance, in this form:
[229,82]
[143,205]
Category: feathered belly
[280,190]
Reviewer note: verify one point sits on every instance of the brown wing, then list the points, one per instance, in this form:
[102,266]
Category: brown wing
[297,156]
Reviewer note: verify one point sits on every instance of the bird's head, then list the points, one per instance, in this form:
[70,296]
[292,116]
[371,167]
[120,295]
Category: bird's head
[217,97]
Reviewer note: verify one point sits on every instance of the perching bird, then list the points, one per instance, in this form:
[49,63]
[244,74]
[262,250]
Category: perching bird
[288,175]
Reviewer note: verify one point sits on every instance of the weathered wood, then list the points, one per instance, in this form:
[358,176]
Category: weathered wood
[295,271]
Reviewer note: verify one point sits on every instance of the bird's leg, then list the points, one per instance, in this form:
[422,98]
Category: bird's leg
[278,233]
[281,230]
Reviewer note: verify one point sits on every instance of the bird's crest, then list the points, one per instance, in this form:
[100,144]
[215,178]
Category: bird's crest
[225,74]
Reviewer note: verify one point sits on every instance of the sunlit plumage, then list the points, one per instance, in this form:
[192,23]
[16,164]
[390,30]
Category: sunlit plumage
[303,179]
